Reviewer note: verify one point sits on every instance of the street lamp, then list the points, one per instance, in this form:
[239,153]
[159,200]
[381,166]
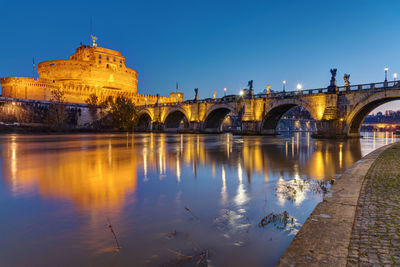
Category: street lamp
[386,70]
[299,86]
[394,76]
[224,91]
[241,92]
[284,85]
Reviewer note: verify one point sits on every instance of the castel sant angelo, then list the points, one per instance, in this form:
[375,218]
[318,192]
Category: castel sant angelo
[91,70]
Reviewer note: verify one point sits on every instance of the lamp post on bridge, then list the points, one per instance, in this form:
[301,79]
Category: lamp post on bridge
[284,85]
[299,86]
[224,91]
[394,76]
[386,70]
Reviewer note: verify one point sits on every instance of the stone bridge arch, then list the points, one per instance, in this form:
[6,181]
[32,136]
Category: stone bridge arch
[215,116]
[365,106]
[275,109]
[174,118]
[145,119]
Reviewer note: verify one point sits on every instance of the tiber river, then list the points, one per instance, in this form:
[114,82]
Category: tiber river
[170,199]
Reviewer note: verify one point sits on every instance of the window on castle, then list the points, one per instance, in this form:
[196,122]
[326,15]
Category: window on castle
[100,56]
[107,58]
[99,61]
[114,59]
[120,66]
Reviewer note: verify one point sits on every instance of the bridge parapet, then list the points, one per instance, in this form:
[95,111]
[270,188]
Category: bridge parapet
[340,89]
[337,113]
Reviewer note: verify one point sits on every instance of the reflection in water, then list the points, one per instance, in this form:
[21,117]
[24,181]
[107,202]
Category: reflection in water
[224,194]
[91,174]
[142,183]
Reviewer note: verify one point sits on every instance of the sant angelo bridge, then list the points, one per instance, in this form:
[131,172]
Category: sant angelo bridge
[338,111]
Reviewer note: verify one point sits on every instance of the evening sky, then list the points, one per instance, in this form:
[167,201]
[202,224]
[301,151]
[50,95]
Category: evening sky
[212,44]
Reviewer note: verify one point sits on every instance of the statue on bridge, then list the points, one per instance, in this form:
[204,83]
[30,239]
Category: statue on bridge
[250,85]
[196,96]
[332,88]
[346,81]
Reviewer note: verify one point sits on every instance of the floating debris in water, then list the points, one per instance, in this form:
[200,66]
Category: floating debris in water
[196,258]
[191,213]
[282,221]
[170,234]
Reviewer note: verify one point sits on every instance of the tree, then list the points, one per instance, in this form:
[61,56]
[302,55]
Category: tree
[56,116]
[93,102]
[122,112]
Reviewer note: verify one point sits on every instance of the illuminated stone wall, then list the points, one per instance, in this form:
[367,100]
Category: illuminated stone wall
[27,88]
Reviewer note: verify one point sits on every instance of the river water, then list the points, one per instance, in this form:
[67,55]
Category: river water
[169,198]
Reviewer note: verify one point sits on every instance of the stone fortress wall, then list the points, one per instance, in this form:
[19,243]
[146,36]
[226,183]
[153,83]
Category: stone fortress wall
[90,70]
[27,88]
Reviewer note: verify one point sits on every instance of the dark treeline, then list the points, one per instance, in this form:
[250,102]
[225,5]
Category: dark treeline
[389,116]
[111,114]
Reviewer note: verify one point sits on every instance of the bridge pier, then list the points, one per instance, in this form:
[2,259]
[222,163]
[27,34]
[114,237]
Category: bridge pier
[331,129]
[157,126]
[195,126]
[250,127]
[269,132]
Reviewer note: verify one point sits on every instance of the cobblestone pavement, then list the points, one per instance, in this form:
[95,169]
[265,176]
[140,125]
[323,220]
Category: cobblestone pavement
[375,239]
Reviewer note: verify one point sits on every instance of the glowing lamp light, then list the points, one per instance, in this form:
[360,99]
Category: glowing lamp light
[395,76]
[13,103]
[284,82]
[241,92]
[299,86]
[386,69]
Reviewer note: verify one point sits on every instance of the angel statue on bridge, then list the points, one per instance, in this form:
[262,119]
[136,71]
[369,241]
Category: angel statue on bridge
[332,86]
[251,92]
[346,79]
[333,72]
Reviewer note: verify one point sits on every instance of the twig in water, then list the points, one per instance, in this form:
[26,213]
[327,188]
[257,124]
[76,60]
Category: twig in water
[202,255]
[112,231]
[170,234]
[191,213]
[181,257]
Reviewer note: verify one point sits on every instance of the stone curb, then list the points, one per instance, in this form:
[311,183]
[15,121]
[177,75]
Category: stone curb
[324,238]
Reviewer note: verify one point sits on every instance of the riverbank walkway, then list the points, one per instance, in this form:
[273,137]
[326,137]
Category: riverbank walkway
[358,223]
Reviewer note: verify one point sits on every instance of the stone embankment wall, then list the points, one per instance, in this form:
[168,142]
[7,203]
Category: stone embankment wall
[16,108]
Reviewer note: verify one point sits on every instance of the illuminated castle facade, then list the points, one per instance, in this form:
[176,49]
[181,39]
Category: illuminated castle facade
[91,70]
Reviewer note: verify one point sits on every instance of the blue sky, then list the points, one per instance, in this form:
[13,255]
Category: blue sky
[212,44]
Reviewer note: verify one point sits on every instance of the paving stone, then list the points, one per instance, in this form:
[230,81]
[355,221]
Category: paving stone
[377,209]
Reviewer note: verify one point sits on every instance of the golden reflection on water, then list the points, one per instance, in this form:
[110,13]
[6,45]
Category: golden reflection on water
[98,173]
[93,178]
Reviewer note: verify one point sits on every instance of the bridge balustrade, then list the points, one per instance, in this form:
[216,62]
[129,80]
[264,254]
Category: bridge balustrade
[351,88]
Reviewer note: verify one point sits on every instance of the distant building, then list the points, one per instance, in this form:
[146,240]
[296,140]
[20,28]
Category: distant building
[91,70]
